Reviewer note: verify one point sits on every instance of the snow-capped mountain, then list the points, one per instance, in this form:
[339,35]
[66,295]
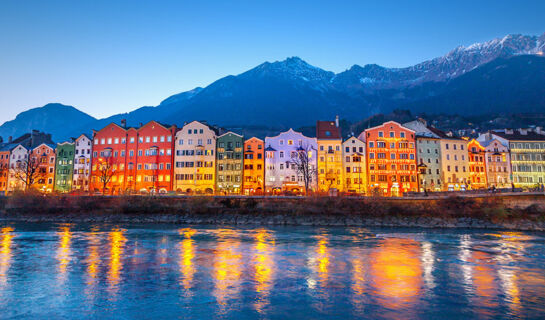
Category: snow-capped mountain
[455,63]
[294,93]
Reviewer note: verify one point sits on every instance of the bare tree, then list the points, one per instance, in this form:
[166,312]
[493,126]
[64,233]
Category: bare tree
[29,171]
[302,159]
[105,171]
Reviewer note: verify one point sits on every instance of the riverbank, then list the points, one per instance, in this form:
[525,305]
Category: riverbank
[513,212]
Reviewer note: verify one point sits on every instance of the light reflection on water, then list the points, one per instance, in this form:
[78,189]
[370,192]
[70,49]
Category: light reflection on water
[275,273]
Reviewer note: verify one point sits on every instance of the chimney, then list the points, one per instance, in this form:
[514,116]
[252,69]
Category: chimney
[423,121]
[10,139]
[337,121]
[141,124]
[124,123]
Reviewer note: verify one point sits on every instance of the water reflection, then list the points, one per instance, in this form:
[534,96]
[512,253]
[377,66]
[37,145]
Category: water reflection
[396,272]
[227,266]
[64,251]
[358,280]
[5,254]
[117,243]
[187,254]
[428,260]
[263,267]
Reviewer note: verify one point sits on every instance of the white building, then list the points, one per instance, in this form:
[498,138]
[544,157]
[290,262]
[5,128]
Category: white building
[280,171]
[82,163]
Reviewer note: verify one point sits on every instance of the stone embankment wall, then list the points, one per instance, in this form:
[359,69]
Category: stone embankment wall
[517,211]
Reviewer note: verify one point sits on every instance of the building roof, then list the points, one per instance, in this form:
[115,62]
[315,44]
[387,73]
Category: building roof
[525,135]
[327,130]
[269,148]
[441,134]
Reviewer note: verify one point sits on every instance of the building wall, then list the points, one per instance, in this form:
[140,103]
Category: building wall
[4,171]
[428,154]
[154,156]
[354,166]
[46,158]
[64,168]
[280,172]
[18,154]
[82,163]
[391,159]
[330,165]
[498,165]
[454,164]
[477,165]
[527,162]
[140,158]
[254,166]
[195,159]
[110,147]
[229,163]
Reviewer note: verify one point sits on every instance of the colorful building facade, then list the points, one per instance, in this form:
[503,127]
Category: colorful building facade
[229,163]
[19,156]
[254,167]
[330,162]
[5,152]
[64,168]
[45,156]
[129,160]
[498,162]
[527,147]
[477,165]
[281,172]
[195,159]
[428,156]
[355,166]
[391,159]
[82,163]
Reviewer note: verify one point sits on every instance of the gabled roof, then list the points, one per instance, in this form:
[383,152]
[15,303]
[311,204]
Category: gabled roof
[327,130]
[253,138]
[353,138]
[84,135]
[386,123]
[231,132]
[269,148]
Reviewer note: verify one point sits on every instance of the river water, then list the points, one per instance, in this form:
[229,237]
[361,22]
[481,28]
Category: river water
[197,272]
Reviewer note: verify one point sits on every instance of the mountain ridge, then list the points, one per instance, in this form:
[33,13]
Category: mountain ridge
[292,92]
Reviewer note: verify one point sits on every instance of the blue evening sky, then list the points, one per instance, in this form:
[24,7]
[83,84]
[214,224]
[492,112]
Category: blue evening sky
[106,57]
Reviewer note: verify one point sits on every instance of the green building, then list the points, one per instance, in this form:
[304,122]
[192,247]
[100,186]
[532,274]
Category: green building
[229,154]
[64,167]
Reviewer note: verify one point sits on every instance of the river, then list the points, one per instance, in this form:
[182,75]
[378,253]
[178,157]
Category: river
[198,272]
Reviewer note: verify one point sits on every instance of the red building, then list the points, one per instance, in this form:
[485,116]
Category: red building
[391,159]
[133,160]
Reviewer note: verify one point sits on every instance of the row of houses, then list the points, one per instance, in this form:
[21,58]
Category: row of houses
[389,159]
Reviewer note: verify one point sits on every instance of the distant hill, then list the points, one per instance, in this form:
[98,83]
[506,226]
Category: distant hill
[499,76]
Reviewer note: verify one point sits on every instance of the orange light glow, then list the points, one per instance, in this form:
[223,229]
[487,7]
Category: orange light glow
[227,269]
[64,250]
[263,267]
[5,253]
[117,242]
[396,271]
[187,268]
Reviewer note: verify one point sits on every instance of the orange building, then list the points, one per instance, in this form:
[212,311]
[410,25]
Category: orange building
[391,159]
[44,154]
[477,165]
[254,167]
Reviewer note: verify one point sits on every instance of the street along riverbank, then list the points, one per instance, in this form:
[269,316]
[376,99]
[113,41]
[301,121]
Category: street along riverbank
[511,211]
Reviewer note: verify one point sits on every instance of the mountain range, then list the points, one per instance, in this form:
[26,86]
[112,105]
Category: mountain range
[499,76]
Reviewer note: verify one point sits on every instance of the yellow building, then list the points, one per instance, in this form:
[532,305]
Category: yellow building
[330,164]
[355,166]
[454,161]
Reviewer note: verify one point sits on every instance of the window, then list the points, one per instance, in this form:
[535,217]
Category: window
[402,134]
[392,134]
[381,134]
